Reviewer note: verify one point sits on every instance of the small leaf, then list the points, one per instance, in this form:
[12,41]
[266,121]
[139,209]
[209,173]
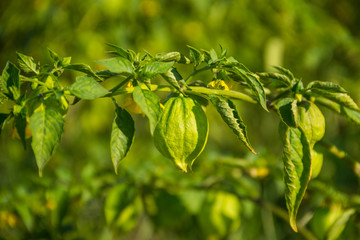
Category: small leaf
[53,55]
[339,97]
[119,197]
[230,115]
[20,122]
[297,168]
[338,227]
[86,87]
[286,72]
[149,103]
[3,117]
[47,126]
[284,80]
[196,56]
[122,136]
[10,81]
[117,65]
[152,69]
[83,68]
[27,63]
[213,55]
[173,77]
[326,86]
[350,114]
[121,52]
[287,109]
[254,84]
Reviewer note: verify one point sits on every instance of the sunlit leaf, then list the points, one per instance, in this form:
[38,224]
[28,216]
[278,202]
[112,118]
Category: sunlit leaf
[83,68]
[286,72]
[86,87]
[27,63]
[339,97]
[10,81]
[149,103]
[254,84]
[47,126]
[152,69]
[350,114]
[195,56]
[297,168]
[117,65]
[121,52]
[173,77]
[122,135]
[326,86]
[53,55]
[231,117]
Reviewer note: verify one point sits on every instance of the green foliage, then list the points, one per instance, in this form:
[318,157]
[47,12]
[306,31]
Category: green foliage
[47,126]
[230,193]
[122,135]
[180,130]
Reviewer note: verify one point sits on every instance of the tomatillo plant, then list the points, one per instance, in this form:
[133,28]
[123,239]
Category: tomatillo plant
[180,126]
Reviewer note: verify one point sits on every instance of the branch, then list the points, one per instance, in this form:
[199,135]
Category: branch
[190,90]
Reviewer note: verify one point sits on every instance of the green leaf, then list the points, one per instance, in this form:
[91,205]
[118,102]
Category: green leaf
[27,63]
[284,80]
[20,122]
[121,52]
[326,86]
[349,114]
[53,55]
[47,126]
[86,87]
[173,77]
[339,97]
[119,197]
[122,136]
[338,227]
[10,81]
[286,72]
[297,168]
[287,110]
[152,69]
[3,117]
[196,56]
[83,68]
[230,115]
[149,103]
[254,84]
[117,65]
[213,55]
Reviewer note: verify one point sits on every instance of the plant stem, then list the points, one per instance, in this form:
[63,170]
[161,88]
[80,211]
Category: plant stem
[190,90]
[32,81]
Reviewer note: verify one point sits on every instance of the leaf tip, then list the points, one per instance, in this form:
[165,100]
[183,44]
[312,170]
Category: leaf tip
[293,224]
[181,165]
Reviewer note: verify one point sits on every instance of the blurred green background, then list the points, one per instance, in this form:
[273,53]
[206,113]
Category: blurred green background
[80,197]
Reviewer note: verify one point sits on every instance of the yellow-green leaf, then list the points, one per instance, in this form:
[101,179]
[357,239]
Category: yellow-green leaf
[47,126]
[297,168]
